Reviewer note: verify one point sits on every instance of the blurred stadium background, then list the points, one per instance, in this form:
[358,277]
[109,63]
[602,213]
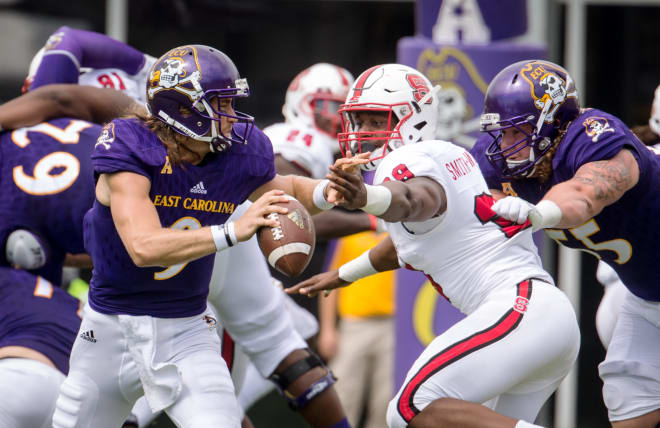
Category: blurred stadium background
[610,47]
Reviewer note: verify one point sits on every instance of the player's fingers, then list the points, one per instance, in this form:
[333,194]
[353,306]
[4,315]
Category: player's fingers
[347,175]
[295,289]
[268,209]
[342,193]
[352,160]
[345,179]
[312,290]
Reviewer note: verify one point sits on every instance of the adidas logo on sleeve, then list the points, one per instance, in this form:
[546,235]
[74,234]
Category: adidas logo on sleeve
[198,188]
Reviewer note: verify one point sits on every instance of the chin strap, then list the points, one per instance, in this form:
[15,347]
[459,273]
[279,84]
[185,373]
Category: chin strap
[216,141]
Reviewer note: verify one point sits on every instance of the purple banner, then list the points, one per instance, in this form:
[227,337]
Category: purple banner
[470,21]
[464,72]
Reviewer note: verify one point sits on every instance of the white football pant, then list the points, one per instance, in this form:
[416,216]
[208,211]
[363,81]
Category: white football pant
[175,363]
[29,390]
[510,352]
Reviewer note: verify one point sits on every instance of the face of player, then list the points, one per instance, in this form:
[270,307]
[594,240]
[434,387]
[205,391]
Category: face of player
[194,151]
[511,137]
[326,116]
[371,125]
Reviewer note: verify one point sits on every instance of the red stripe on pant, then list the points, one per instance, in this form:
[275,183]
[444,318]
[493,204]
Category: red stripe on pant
[228,347]
[458,350]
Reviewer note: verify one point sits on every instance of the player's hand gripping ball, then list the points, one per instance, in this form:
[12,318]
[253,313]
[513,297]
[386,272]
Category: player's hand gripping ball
[289,247]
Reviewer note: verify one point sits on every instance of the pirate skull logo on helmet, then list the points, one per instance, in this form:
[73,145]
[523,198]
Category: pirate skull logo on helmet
[555,87]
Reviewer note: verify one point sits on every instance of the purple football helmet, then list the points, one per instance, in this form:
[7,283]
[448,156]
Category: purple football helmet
[533,92]
[192,76]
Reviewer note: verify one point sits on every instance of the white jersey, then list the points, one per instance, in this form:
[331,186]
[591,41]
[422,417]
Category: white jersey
[133,85]
[115,78]
[304,146]
[468,251]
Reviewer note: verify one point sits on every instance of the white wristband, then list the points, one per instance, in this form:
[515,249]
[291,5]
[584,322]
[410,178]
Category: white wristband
[357,268]
[221,239]
[319,196]
[378,199]
[545,214]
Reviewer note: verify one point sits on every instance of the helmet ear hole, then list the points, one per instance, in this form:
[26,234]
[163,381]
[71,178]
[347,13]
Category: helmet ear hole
[420,125]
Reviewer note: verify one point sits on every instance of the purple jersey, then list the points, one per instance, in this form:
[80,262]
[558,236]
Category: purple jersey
[67,50]
[38,316]
[187,197]
[48,185]
[626,233]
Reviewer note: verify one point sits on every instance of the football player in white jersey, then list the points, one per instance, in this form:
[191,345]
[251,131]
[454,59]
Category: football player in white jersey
[520,337]
[308,136]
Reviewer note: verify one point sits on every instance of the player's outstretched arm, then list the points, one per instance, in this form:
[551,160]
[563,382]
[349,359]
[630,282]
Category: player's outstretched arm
[594,186]
[381,258]
[78,102]
[416,199]
[301,188]
[80,48]
[573,202]
[149,244]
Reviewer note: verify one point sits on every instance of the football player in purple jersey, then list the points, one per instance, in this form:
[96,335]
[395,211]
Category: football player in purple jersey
[88,58]
[38,324]
[582,175]
[46,167]
[188,166]
[67,46]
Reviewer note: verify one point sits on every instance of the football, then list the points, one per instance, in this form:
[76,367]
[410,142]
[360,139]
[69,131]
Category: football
[289,247]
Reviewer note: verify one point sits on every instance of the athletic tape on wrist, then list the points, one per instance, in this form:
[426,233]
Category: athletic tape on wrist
[545,214]
[220,238]
[230,231]
[378,199]
[357,268]
[319,196]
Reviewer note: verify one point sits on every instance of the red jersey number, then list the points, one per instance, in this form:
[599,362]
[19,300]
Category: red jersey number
[307,138]
[112,81]
[483,211]
[402,173]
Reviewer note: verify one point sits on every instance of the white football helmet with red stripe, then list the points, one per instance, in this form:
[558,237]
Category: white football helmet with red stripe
[314,96]
[408,100]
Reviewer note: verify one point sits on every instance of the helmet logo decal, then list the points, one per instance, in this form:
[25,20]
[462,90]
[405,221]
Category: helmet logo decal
[596,126]
[420,88]
[359,85]
[547,86]
[554,88]
[170,73]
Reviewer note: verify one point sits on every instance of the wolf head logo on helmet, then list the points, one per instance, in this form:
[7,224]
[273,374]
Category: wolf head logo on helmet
[182,87]
[539,99]
[405,99]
